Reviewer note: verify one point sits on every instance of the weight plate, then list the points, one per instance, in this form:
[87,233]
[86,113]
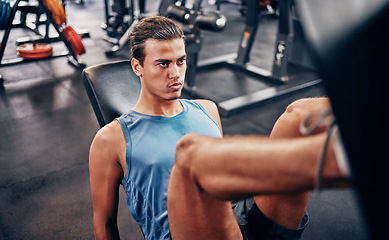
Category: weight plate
[69,34]
[30,48]
[51,6]
[57,11]
[78,42]
[3,13]
[1,9]
[7,17]
[74,39]
[35,55]
[62,14]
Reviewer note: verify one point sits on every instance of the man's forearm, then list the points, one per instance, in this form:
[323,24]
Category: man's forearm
[238,167]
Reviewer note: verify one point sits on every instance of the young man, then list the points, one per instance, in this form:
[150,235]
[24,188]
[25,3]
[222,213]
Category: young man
[137,150]
[271,174]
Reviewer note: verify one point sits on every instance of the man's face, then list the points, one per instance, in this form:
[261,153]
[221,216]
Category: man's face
[163,71]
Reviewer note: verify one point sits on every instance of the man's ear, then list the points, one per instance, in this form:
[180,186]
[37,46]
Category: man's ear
[136,67]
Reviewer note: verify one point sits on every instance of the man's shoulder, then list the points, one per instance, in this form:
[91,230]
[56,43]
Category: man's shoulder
[110,135]
[206,103]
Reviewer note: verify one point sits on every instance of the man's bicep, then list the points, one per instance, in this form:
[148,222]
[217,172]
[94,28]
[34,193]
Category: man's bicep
[105,176]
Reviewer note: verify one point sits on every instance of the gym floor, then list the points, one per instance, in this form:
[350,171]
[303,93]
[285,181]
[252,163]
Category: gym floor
[47,125]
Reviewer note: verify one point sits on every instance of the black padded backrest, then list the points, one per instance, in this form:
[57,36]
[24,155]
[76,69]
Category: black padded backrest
[112,88]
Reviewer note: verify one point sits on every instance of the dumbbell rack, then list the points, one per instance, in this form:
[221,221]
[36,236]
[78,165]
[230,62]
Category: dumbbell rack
[38,9]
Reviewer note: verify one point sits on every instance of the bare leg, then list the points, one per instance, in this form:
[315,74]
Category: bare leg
[288,210]
[193,214]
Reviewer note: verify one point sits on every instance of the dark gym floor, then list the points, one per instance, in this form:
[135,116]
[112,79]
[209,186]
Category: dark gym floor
[47,125]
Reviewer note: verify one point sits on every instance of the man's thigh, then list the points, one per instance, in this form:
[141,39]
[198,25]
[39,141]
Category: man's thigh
[193,214]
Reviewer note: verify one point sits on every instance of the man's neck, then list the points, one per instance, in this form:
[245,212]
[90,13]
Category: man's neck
[164,108]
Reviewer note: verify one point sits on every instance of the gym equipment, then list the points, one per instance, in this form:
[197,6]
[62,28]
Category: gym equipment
[195,20]
[346,44]
[213,21]
[277,80]
[74,39]
[57,11]
[55,16]
[193,17]
[35,51]
[25,8]
[112,88]
[123,40]
[5,12]
[119,14]
[267,6]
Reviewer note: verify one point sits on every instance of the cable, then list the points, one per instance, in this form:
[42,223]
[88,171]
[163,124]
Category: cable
[325,118]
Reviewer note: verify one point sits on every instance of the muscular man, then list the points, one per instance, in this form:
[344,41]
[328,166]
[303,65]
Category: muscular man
[137,150]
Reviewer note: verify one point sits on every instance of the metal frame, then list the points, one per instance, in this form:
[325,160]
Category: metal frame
[39,38]
[241,62]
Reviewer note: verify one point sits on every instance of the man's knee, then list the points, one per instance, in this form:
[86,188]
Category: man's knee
[185,150]
[305,106]
[288,124]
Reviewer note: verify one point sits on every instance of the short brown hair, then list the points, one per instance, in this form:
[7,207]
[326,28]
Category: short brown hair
[157,27]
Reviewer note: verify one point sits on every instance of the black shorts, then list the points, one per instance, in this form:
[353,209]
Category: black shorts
[255,225]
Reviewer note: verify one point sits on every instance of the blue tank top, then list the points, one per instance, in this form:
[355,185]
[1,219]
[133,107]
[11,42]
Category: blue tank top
[150,152]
